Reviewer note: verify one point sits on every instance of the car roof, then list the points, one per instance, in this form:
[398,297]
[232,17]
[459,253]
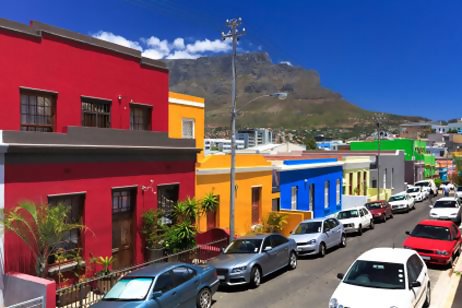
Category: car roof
[387,254]
[255,236]
[447,199]
[316,219]
[353,208]
[154,269]
[377,201]
[438,223]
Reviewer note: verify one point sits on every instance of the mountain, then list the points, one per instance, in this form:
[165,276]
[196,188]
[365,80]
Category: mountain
[308,105]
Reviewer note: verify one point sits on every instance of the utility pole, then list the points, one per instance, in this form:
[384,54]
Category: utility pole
[234,34]
[378,160]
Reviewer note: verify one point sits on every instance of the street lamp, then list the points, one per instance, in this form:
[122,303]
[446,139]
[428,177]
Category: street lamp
[232,180]
[378,161]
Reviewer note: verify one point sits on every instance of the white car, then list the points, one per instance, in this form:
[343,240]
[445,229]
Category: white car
[401,202]
[459,192]
[428,185]
[448,208]
[416,193]
[355,220]
[384,277]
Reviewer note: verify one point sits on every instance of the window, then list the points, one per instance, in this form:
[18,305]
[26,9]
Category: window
[311,201]
[96,113]
[38,111]
[164,282]
[293,201]
[326,195]
[188,128]
[337,192]
[385,178]
[140,117]
[75,204]
[278,240]
[350,183]
[256,205]
[181,274]
[123,201]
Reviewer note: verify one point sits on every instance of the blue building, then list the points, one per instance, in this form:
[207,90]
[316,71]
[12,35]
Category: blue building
[311,185]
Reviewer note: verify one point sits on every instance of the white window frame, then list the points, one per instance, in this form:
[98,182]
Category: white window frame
[293,199]
[326,194]
[311,191]
[193,130]
[337,191]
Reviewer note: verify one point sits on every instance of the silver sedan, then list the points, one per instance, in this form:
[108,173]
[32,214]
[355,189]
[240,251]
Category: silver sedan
[247,259]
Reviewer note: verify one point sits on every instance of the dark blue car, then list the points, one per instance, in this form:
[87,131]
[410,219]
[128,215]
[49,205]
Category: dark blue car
[164,285]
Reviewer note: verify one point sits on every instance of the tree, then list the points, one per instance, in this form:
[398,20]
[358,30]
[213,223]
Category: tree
[310,143]
[43,228]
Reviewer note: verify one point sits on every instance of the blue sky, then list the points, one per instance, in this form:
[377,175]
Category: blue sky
[397,56]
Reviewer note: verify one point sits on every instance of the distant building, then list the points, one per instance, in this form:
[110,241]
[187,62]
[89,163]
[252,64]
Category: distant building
[221,145]
[255,136]
[275,148]
[330,145]
[415,130]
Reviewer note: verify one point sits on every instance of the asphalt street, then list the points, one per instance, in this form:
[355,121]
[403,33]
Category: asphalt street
[314,280]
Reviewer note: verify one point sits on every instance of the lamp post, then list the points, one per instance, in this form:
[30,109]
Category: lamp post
[232,178]
[378,161]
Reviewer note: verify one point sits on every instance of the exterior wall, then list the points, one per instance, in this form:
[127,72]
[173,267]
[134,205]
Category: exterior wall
[2,201]
[392,169]
[358,188]
[212,175]
[302,179]
[17,283]
[186,106]
[36,181]
[414,171]
[293,218]
[349,202]
[73,69]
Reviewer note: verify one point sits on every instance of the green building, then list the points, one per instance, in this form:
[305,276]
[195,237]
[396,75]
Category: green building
[414,151]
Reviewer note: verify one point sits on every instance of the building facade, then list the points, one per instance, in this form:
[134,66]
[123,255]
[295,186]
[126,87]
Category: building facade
[255,136]
[84,123]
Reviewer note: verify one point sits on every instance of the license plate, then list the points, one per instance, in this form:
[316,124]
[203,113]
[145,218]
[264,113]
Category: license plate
[425,258]
[221,277]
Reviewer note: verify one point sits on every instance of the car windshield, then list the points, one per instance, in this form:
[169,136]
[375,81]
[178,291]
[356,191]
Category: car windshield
[445,204]
[381,275]
[127,289]
[308,228]
[432,232]
[244,246]
[411,190]
[422,184]
[396,198]
[373,206]
[347,214]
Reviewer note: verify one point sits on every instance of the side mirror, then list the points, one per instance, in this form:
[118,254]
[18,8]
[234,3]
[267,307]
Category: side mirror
[407,232]
[267,248]
[340,275]
[415,284]
[156,294]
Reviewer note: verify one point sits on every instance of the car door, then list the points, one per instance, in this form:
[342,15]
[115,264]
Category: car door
[268,256]
[165,294]
[362,217]
[186,283]
[455,233]
[280,244]
[329,233]
[368,216]
[417,273]
[336,231]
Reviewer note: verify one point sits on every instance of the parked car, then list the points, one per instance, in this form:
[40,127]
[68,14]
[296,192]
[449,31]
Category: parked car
[428,185]
[401,203]
[384,277]
[447,208]
[458,193]
[355,220]
[416,193]
[380,210]
[164,285]
[247,259]
[315,236]
[436,241]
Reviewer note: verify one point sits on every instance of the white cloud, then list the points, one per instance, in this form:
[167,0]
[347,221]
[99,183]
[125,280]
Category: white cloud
[286,63]
[155,48]
[117,39]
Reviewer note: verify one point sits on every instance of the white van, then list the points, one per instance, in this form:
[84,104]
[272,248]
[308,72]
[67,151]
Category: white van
[428,185]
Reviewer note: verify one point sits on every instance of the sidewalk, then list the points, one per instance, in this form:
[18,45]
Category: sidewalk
[447,292]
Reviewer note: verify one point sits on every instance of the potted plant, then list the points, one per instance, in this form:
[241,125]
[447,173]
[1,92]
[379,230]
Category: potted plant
[209,203]
[276,222]
[105,282]
[152,234]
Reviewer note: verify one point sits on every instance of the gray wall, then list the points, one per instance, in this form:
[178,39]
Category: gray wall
[413,172]
[18,290]
[393,167]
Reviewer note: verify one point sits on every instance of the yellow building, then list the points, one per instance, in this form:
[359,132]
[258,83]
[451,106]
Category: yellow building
[356,173]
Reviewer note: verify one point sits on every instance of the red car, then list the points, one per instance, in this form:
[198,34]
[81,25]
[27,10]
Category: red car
[436,241]
[380,210]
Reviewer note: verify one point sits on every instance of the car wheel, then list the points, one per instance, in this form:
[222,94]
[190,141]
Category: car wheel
[343,241]
[322,250]
[360,230]
[255,277]
[427,298]
[292,261]
[204,299]
[384,219]
[391,215]
[371,225]
[451,262]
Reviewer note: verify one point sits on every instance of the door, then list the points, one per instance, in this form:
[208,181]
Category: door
[363,218]
[269,260]
[336,230]
[256,205]
[167,197]
[417,273]
[186,284]
[280,244]
[123,204]
[329,233]
[168,294]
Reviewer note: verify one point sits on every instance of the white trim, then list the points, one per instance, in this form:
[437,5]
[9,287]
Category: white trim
[180,101]
[126,186]
[183,120]
[38,90]
[52,145]
[2,202]
[67,194]
[227,170]
[307,166]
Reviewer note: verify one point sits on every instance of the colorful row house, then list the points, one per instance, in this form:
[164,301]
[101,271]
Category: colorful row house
[84,123]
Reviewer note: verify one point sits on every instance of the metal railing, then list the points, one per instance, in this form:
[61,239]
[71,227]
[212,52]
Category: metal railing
[91,291]
[38,302]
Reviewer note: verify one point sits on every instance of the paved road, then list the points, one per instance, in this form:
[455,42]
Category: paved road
[314,280]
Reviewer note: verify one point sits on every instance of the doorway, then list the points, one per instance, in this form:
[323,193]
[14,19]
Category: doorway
[123,205]
[256,205]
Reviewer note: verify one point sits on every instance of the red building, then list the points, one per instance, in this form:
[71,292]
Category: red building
[84,122]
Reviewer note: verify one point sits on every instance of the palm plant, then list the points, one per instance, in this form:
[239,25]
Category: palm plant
[186,210]
[42,228]
[209,203]
[276,222]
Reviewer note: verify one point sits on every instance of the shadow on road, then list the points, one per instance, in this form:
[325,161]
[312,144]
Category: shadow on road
[245,287]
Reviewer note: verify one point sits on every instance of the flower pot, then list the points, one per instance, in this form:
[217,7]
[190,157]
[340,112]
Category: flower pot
[153,254]
[72,295]
[103,284]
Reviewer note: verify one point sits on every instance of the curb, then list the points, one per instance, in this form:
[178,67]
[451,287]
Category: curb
[446,287]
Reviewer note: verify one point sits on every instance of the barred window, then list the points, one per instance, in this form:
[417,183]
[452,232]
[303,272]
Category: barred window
[96,113]
[140,117]
[188,128]
[38,111]
[123,200]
